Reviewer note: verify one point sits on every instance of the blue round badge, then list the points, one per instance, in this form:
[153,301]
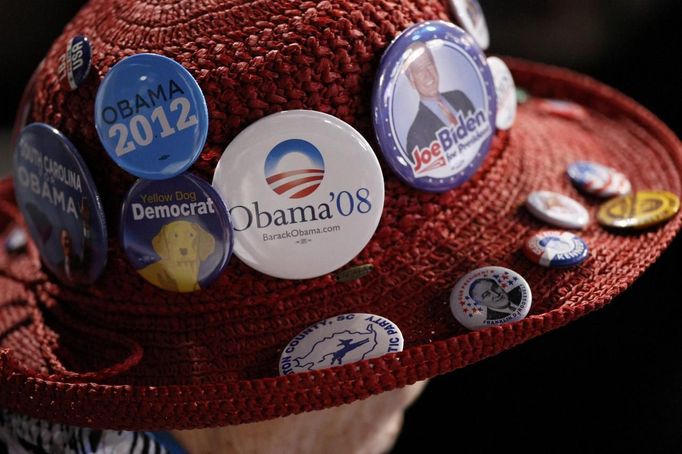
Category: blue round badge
[74,63]
[176,233]
[434,106]
[556,249]
[151,116]
[59,200]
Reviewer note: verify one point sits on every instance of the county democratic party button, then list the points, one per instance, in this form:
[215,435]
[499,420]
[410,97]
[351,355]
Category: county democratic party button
[305,192]
[176,233]
[434,106]
[557,209]
[74,63]
[556,249]
[151,116]
[639,210]
[340,340]
[469,15]
[488,296]
[506,93]
[598,179]
[58,198]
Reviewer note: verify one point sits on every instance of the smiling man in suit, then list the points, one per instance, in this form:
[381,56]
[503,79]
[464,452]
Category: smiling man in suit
[436,109]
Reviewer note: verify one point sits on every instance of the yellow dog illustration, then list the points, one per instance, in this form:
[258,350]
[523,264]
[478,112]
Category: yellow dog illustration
[182,246]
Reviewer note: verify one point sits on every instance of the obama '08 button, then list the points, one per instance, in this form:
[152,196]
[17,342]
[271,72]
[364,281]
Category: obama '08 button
[490,296]
[151,116]
[434,106]
[305,192]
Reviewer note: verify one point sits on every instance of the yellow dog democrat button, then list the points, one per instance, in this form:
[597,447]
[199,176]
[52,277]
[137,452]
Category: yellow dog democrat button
[176,232]
[639,210]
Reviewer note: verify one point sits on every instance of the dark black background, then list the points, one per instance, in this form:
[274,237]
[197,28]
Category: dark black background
[611,381]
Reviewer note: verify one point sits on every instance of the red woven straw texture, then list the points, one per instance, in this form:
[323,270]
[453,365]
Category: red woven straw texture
[125,355]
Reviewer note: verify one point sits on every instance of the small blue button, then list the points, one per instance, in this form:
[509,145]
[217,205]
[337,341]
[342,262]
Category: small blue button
[74,63]
[151,116]
[60,203]
[177,232]
[556,249]
[434,106]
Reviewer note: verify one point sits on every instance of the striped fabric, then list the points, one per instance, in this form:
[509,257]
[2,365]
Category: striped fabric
[24,435]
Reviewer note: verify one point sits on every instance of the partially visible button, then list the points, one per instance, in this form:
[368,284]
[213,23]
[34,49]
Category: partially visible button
[75,62]
[557,209]
[639,210]
[522,95]
[340,340]
[176,232]
[562,108]
[434,106]
[61,205]
[598,179]
[16,241]
[469,15]
[506,93]
[151,116]
[556,249]
[489,296]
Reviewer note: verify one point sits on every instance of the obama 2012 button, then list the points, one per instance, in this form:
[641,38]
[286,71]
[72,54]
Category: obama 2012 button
[434,106]
[151,116]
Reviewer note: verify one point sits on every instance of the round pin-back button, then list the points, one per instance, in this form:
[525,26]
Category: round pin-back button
[16,241]
[598,179]
[506,93]
[522,95]
[557,209]
[176,233]
[469,15]
[151,116]
[340,340]
[562,108]
[639,210]
[434,106]
[488,296]
[305,192]
[74,63]
[556,249]
[59,200]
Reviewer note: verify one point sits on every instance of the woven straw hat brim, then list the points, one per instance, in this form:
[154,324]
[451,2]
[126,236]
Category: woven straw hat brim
[51,336]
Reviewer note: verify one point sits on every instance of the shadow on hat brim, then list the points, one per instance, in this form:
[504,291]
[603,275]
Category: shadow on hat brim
[125,355]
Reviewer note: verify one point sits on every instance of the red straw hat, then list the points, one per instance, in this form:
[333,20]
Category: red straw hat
[124,354]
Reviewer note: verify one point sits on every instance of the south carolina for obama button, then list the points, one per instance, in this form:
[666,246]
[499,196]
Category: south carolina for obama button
[151,116]
[176,233]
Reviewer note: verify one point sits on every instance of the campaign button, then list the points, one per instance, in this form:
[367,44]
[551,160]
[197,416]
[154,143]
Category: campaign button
[561,108]
[305,192]
[556,249]
[176,232]
[60,203]
[639,210]
[434,106]
[506,93]
[469,15]
[557,209]
[598,179]
[16,241]
[151,116]
[75,62]
[489,296]
[340,340]
[522,95]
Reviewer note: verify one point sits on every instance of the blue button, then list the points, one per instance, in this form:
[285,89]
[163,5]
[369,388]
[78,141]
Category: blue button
[434,106]
[151,116]
[176,233]
[74,63]
[556,249]
[60,203]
